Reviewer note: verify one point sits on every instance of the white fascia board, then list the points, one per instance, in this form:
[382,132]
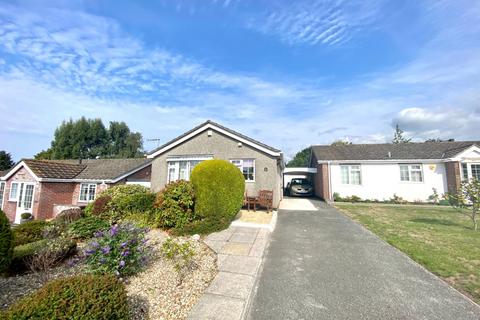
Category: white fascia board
[76,180]
[17,167]
[300,169]
[459,156]
[211,126]
[383,161]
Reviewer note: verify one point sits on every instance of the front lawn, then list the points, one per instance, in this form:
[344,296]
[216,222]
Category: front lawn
[439,238]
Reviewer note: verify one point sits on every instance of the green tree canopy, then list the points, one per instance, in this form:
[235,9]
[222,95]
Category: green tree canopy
[301,159]
[398,136]
[6,161]
[89,138]
[341,143]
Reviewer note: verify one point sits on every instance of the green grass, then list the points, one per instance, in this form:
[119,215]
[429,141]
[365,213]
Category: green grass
[439,238]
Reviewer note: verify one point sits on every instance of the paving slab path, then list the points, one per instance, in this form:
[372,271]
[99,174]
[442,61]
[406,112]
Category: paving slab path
[240,251]
[322,265]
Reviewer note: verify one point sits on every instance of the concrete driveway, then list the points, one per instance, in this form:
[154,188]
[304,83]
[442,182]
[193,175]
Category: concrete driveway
[322,265]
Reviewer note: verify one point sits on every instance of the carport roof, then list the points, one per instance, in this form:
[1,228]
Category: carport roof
[390,151]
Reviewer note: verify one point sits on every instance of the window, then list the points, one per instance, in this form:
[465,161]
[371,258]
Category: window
[181,169]
[87,191]
[411,173]
[475,171]
[13,191]
[351,174]
[247,167]
[2,191]
[464,171]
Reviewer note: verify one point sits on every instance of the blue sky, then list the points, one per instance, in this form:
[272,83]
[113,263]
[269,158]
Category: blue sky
[289,74]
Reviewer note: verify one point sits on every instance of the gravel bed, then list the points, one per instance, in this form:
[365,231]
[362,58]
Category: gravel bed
[156,293]
[15,287]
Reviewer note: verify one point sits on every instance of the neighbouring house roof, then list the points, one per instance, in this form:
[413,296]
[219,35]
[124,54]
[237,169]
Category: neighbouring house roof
[389,151]
[89,169]
[212,125]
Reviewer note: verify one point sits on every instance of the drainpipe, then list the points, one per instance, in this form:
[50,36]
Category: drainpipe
[329,181]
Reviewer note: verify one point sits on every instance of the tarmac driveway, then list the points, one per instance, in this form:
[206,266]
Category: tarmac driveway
[322,265]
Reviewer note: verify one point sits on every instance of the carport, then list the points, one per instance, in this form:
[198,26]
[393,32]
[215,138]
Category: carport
[298,172]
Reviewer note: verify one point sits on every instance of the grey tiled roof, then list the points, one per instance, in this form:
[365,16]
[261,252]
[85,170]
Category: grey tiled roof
[401,151]
[221,127]
[90,169]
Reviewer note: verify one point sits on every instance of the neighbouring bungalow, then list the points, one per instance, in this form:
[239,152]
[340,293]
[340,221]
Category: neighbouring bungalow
[46,187]
[409,170]
[261,165]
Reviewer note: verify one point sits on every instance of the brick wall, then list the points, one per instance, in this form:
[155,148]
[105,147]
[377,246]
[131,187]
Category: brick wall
[453,176]
[53,193]
[321,182]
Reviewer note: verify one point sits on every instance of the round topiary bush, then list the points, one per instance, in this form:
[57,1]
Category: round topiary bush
[175,205]
[6,242]
[78,297]
[219,188]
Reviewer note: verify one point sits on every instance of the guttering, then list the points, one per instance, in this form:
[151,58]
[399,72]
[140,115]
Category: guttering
[76,180]
[384,161]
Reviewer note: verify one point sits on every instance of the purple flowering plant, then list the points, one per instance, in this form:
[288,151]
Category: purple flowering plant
[122,250]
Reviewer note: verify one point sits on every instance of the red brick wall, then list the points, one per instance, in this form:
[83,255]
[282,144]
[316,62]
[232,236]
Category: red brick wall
[10,207]
[54,193]
[321,182]
[453,176]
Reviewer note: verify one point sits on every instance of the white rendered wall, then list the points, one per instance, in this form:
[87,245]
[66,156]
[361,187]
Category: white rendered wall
[381,181]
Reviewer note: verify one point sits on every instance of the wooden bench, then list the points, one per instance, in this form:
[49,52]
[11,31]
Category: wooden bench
[264,200]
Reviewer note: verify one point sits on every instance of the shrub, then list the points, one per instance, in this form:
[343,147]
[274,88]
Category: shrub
[181,254]
[121,250]
[337,197]
[48,256]
[78,297]
[175,205]
[353,199]
[85,228]
[396,199]
[118,201]
[29,232]
[6,242]
[26,216]
[219,187]
[69,215]
[23,254]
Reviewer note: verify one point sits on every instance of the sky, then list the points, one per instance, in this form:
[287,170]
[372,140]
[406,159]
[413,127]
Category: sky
[287,73]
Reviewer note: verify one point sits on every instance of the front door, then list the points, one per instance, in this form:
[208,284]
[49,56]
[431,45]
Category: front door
[25,199]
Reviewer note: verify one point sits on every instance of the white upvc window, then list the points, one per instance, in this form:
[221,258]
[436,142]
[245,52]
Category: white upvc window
[87,192]
[13,196]
[2,193]
[247,167]
[180,168]
[351,174]
[411,173]
[470,171]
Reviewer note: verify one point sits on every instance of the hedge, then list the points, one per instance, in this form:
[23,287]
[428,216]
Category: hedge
[85,228]
[6,242]
[78,297]
[219,189]
[30,231]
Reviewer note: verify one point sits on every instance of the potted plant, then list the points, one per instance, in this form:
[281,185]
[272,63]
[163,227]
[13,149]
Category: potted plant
[26,216]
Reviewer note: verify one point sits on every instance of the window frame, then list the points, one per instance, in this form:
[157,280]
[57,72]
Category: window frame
[471,170]
[3,189]
[10,198]
[89,185]
[349,176]
[241,167]
[410,170]
[174,163]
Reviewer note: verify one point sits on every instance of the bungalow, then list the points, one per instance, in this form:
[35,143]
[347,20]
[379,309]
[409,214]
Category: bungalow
[46,187]
[409,170]
[260,164]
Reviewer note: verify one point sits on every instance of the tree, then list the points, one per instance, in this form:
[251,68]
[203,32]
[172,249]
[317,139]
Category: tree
[6,161]
[398,136]
[341,143]
[467,200]
[88,138]
[301,159]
